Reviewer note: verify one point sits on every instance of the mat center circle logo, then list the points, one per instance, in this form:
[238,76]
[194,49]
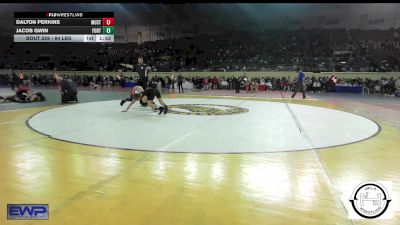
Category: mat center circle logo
[370,200]
[206,109]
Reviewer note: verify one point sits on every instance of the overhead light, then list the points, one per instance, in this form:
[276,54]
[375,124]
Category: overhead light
[343,62]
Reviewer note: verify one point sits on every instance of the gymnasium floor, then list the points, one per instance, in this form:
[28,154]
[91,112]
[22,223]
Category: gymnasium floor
[253,158]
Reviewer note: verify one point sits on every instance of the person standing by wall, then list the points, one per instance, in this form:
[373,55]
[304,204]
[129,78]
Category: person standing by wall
[236,82]
[180,82]
[14,80]
[173,79]
[214,82]
[21,78]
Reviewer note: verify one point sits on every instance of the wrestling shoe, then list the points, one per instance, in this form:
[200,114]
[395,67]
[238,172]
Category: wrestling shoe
[166,110]
[122,102]
[161,110]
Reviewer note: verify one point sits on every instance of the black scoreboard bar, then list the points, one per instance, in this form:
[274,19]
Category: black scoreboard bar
[59,30]
[27,22]
[63,14]
[64,26]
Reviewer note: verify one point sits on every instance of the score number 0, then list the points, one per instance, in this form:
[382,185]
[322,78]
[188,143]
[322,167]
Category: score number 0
[108,21]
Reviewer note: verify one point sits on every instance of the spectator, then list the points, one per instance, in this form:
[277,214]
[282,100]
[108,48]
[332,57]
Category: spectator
[285,84]
[214,82]
[225,84]
[236,83]
[268,85]
[205,84]
[172,81]
[317,85]
[180,82]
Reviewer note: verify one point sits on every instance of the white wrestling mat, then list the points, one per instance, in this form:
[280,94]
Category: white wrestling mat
[204,126]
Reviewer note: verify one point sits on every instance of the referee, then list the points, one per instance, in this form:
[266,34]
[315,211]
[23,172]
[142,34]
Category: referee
[142,69]
[299,84]
[68,89]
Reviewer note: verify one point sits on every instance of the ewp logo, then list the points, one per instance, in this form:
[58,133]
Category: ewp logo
[27,212]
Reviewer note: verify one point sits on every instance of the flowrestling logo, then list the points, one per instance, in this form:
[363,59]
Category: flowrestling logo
[371,200]
[27,212]
[206,109]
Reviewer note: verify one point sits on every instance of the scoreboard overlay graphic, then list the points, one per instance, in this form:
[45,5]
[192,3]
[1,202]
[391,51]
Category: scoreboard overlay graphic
[64,26]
